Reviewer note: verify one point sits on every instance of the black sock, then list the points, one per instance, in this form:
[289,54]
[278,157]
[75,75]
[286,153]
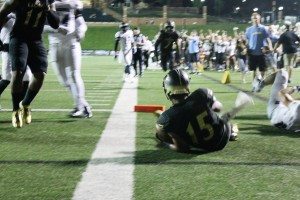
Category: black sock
[16,99]
[25,87]
[30,95]
[3,85]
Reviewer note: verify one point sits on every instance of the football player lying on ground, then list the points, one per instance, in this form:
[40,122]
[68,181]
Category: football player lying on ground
[192,122]
[283,110]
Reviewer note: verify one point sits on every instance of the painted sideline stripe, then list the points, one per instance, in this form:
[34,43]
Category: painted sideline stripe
[109,174]
[100,100]
[56,110]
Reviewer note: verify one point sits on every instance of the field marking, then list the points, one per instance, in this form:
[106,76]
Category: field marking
[99,100]
[56,110]
[109,173]
[93,96]
[101,92]
[100,104]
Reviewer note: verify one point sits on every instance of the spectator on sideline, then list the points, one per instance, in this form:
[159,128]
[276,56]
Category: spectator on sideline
[256,36]
[290,42]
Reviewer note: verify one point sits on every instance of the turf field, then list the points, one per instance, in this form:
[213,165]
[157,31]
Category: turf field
[45,160]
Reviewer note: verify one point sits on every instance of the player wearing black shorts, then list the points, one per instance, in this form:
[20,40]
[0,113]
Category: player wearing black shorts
[26,48]
[167,40]
[192,121]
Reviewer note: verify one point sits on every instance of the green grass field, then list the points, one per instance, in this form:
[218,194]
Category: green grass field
[45,160]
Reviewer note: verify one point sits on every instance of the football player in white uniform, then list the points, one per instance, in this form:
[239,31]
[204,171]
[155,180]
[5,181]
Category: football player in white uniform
[283,110]
[65,53]
[6,63]
[125,38]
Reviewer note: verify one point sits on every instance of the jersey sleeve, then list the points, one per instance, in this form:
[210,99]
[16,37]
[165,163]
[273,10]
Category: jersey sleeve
[205,96]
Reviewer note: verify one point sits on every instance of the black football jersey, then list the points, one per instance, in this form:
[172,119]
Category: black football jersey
[194,121]
[166,40]
[30,19]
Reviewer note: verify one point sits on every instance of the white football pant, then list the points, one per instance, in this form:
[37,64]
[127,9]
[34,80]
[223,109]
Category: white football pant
[66,62]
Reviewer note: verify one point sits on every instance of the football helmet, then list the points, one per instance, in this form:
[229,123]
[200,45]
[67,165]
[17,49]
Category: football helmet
[136,31]
[124,26]
[176,82]
[169,26]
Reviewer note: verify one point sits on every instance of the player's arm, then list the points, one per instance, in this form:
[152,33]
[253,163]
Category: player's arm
[117,39]
[178,145]
[170,140]
[52,17]
[7,7]
[81,26]
[157,42]
[215,104]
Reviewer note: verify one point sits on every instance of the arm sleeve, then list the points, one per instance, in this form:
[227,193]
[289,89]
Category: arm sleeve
[53,19]
[49,29]
[81,27]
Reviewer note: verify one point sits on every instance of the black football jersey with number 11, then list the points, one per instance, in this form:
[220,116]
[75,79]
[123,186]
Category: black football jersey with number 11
[30,19]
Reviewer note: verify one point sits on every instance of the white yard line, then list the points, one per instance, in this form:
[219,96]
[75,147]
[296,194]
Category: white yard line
[56,110]
[97,96]
[100,104]
[109,174]
[99,100]
[101,91]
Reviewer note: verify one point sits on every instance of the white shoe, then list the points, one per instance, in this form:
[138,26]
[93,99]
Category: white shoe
[243,99]
[257,85]
[234,132]
[86,112]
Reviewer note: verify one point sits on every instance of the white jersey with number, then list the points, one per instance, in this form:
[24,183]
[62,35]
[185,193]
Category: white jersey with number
[125,40]
[66,10]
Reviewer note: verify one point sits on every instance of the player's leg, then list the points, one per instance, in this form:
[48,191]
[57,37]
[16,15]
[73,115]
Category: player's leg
[280,82]
[75,67]
[59,58]
[37,61]
[18,51]
[140,60]
[26,79]
[134,63]
[289,62]
[163,62]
